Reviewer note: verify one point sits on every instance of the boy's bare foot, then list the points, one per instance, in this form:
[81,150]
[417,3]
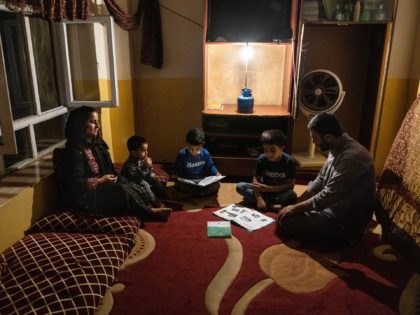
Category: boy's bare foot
[156,203]
[160,214]
[248,204]
[273,208]
[276,208]
[173,194]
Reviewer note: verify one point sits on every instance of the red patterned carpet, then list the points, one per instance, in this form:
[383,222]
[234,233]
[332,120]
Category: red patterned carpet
[181,271]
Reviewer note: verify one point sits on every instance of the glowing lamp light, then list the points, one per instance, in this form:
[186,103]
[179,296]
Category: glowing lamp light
[246,100]
[247,53]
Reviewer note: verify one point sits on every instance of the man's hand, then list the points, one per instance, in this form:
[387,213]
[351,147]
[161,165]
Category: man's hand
[289,210]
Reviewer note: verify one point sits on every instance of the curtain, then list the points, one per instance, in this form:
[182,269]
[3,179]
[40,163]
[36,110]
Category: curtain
[147,10]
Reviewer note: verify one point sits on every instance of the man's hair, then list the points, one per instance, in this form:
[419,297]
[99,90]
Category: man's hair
[273,136]
[325,124]
[135,142]
[195,136]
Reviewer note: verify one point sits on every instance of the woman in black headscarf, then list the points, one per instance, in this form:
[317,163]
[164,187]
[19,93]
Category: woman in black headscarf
[89,172]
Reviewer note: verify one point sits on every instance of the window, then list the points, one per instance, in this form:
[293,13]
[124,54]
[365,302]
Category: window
[90,68]
[35,56]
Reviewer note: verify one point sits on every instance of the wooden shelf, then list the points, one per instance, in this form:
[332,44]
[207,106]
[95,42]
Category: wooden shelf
[259,110]
[344,23]
[235,166]
[234,135]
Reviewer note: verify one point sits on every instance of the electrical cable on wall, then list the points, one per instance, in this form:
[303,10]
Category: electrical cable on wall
[179,14]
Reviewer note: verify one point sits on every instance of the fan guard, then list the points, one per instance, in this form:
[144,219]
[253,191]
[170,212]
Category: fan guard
[320,91]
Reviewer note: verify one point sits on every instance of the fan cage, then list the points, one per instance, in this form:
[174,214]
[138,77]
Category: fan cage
[320,91]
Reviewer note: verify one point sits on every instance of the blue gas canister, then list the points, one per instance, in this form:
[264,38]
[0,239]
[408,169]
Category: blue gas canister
[245,101]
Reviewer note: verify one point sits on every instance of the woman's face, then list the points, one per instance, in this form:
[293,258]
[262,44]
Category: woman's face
[92,125]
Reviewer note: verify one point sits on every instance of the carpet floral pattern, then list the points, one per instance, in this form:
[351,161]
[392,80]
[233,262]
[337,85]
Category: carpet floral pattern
[181,271]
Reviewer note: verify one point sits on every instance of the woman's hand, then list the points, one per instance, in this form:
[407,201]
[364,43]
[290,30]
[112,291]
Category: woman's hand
[108,178]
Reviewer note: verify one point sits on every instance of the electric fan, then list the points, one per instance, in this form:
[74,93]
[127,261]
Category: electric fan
[320,91]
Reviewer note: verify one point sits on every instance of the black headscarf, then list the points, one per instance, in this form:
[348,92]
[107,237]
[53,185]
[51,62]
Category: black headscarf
[76,123]
[75,133]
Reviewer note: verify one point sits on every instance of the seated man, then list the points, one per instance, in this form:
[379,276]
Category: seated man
[338,204]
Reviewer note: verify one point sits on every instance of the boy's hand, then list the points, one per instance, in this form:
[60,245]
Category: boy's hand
[148,162]
[261,204]
[259,187]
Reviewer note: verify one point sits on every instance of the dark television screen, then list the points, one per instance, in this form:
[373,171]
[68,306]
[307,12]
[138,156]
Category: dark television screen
[248,20]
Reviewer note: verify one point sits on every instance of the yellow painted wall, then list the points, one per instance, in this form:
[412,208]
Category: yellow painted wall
[169,101]
[403,76]
[122,121]
[30,204]
[167,109]
[118,123]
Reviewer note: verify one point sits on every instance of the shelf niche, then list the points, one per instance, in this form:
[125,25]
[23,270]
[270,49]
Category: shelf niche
[268,75]
[266,29]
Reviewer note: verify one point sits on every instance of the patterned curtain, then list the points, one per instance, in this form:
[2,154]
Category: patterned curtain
[57,10]
[398,208]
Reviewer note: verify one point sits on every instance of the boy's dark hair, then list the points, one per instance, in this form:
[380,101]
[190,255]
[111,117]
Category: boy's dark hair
[325,124]
[135,142]
[195,136]
[273,136]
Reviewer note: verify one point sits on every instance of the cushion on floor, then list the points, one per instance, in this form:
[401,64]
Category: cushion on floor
[60,273]
[70,222]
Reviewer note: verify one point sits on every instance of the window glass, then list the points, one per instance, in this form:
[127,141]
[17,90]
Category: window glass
[89,67]
[17,70]
[50,132]
[43,55]
[24,148]
[84,73]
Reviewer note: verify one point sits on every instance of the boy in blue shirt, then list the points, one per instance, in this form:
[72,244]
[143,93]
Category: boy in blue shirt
[195,163]
[274,175]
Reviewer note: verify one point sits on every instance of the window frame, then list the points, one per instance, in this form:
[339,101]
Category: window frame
[10,126]
[108,22]
[8,145]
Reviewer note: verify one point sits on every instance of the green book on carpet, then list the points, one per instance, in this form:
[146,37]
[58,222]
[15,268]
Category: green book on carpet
[219,229]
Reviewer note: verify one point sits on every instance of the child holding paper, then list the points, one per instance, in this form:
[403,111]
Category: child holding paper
[274,175]
[194,163]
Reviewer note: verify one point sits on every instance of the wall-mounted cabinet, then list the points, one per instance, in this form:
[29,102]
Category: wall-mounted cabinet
[247,44]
